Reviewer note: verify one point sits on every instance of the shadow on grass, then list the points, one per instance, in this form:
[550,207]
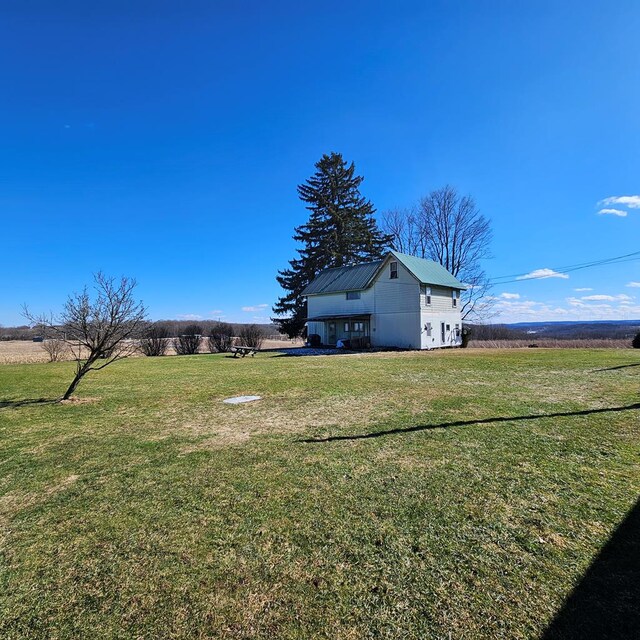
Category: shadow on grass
[622,366]
[606,601]
[13,404]
[464,423]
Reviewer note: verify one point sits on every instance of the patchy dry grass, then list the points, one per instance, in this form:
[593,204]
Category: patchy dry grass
[452,494]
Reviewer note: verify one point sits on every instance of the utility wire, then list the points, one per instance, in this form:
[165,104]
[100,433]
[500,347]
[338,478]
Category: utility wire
[520,277]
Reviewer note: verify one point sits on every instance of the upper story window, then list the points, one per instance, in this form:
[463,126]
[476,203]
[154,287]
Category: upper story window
[393,270]
[426,291]
[353,295]
[454,298]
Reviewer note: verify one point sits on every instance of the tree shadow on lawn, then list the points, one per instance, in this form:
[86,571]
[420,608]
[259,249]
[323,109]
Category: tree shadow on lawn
[606,602]
[622,366]
[13,404]
[464,423]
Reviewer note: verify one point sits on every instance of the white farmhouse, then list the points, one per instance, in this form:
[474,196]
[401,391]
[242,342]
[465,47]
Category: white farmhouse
[400,301]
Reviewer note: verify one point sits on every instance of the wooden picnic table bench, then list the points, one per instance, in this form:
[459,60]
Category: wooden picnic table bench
[243,351]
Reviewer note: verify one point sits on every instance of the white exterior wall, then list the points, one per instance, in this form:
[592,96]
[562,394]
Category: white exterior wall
[398,312]
[441,310]
[396,321]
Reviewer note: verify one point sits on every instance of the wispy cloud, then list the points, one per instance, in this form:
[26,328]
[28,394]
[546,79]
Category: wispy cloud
[633,202]
[543,273]
[573,309]
[189,316]
[613,212]
[634,284]
[255,308]
[583,289]
[607,298]
[510,296]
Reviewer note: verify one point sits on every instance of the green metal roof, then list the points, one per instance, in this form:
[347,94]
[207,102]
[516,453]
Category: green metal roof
[361,276]
[428,271]
[354,278]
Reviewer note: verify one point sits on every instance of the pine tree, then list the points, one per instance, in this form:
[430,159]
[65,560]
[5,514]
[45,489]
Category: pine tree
[341,231]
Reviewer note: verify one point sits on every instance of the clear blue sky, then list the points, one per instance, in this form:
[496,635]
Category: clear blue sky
[165,140]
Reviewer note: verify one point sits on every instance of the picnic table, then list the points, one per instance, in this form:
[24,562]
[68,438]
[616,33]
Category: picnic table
[243,351]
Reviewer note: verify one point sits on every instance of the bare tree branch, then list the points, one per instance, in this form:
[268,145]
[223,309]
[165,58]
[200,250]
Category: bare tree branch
[449,229]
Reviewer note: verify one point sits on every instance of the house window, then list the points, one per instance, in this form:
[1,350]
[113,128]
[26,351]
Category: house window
[393,270]
[358,326]
[353,295]
[454,298]
[427,328]
[427,295]
[346,327]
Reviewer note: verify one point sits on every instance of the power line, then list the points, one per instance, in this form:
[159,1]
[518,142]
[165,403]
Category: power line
[520,277]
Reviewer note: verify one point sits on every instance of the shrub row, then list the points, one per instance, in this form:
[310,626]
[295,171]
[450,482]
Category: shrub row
[156,339]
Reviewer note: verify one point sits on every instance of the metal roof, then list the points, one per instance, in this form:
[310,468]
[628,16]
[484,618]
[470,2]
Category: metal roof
[354,278]
[360,276]
[428,271]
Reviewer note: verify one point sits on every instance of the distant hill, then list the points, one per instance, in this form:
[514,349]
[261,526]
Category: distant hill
[574,330]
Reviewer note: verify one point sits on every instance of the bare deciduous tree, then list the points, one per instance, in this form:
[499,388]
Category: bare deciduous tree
[251,336]
[56,348]
[189,342]
[448,228]
[95,330]
[220,337]
[155,340]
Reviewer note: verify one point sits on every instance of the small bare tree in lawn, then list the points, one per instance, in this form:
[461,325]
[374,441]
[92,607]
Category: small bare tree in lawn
[98,330]
[251,335]
[220,337]
[189,342]
[155,340]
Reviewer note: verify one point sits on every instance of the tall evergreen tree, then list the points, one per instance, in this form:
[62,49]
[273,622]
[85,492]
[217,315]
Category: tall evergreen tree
[341,231]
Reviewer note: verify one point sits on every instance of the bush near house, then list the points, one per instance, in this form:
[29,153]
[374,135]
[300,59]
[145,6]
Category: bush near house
[220,337]
[189,342]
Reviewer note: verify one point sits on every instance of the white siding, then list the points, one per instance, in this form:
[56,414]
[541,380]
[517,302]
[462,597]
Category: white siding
[396,322]
[336,303]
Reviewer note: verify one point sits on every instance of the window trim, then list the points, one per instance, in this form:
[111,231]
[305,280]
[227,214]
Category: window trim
[454,298]
[393,270]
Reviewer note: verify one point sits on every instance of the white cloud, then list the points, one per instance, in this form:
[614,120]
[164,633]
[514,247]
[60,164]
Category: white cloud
[255,308]
[510,296]
[189,316]
[583,289]
[613,212]
[599,297]
[215,312]
[633,202]
[634,284]
[543,273]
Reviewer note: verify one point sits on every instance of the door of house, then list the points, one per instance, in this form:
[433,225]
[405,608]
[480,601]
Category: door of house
[442,334]
[331,337]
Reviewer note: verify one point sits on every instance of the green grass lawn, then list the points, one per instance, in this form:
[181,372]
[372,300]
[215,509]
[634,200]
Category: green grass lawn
[373,496]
